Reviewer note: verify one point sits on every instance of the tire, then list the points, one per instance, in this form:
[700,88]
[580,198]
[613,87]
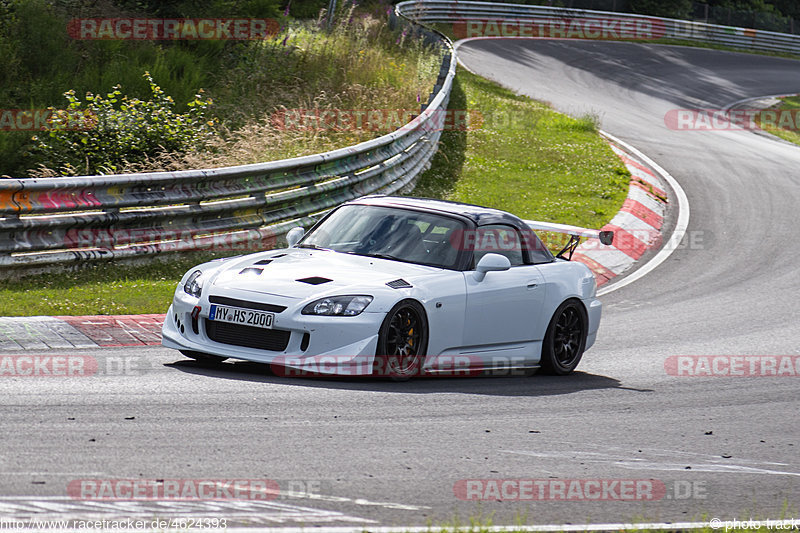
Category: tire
[201,357]
[565,339]
[402,342]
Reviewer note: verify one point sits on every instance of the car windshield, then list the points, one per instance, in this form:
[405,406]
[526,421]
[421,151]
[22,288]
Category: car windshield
[389,233]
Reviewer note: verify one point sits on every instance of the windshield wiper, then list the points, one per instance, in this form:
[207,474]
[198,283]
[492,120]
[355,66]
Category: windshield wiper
[311,246]
[383,256]
[396,258]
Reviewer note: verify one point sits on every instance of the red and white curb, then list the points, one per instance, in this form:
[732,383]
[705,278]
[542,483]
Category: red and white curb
[637,225]
[48,332]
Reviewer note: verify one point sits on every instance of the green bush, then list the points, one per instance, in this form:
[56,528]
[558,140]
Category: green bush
[39,60]
[109,132]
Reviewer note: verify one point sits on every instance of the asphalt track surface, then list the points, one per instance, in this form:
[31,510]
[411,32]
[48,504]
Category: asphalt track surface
[377,453]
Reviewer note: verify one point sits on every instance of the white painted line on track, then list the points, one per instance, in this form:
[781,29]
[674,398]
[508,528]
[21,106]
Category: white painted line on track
[355,501]
[621,526]
[737,103]
[61,508]
[678,232]
[676,461]
[341,499]
[456,46]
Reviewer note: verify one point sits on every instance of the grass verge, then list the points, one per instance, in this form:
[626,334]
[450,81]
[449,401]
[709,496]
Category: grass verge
[787,125]
[99,289]
[521,156]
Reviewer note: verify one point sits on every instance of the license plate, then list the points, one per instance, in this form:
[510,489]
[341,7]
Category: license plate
[245,317]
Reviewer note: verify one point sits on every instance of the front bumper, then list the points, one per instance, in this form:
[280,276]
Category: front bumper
[316,344]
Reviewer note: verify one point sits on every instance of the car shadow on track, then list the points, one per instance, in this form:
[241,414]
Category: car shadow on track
[537,385]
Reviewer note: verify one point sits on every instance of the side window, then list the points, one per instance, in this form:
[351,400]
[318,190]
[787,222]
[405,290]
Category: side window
[498,239]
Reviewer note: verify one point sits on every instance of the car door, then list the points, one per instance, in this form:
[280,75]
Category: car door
[503,309]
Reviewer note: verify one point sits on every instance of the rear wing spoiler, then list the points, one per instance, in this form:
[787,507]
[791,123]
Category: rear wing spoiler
[575,233]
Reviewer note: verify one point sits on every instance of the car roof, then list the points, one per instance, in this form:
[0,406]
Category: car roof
[480,216]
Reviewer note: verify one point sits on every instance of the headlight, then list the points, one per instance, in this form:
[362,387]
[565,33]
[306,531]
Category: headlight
[193,285]
[338,306]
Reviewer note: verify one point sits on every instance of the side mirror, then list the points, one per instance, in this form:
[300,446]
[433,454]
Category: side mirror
[491,263]
[294,236]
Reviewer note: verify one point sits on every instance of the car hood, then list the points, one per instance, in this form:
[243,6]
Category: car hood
[302,273]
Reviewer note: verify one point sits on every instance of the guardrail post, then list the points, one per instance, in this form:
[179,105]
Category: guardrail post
[331,12]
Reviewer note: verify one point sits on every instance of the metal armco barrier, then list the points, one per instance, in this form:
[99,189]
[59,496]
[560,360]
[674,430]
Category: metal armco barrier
[75,219]
[457,12]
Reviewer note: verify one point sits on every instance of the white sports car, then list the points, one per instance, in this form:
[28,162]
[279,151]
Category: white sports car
[395,286]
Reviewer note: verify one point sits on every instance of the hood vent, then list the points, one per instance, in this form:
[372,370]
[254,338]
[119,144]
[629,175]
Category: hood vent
[277,256]
[399,284]
[263,262]
[252,270]
[314,280]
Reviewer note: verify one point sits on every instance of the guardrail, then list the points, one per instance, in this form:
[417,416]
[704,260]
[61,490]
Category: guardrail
[453,11]
[44,222]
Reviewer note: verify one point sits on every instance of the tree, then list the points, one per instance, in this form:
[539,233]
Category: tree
[676,9]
